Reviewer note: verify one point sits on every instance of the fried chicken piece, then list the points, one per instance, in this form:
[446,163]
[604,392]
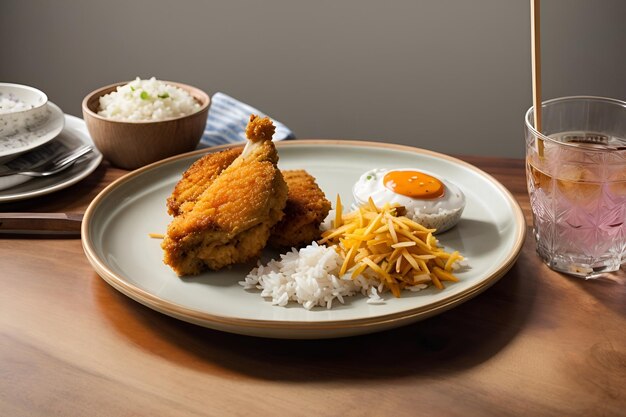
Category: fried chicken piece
[306,206]
[231,220]
[198,177]
[306,209]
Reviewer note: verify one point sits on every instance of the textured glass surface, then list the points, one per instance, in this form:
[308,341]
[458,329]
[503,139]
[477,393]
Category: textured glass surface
[578,199]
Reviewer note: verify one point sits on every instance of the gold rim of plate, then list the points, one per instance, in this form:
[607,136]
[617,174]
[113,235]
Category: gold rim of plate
[224,323]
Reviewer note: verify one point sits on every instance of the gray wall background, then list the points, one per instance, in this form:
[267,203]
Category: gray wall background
[448,75]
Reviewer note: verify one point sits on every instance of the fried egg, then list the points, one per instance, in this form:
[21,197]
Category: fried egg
[431,201]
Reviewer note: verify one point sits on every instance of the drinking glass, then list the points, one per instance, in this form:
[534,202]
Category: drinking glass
[576,177]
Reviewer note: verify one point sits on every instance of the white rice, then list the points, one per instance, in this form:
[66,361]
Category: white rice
[147,100]
[310,277]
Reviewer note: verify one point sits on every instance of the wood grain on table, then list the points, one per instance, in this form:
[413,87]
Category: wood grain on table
[537,343]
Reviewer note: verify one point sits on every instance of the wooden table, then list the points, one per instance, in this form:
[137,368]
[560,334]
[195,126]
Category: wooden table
[536,343]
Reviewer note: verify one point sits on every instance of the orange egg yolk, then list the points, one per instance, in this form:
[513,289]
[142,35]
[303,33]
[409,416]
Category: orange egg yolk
[413,184]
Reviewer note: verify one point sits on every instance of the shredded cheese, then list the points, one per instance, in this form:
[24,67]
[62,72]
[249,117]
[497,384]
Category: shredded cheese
[394,249]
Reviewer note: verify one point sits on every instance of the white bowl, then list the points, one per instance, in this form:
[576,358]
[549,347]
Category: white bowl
[21,106]
[30,137]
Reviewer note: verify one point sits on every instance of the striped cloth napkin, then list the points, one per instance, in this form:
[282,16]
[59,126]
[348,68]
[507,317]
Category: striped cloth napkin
[227,121]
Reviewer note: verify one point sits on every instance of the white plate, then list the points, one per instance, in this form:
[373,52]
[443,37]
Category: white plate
[29,138]
[117,223]
[74,133]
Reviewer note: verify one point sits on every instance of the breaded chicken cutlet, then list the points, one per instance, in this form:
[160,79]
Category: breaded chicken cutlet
[230,220]
[305,210]
[198,177]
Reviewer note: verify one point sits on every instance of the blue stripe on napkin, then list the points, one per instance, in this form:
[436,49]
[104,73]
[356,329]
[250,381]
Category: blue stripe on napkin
[227,121]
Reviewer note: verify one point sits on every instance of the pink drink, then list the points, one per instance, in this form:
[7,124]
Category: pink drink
[578,198]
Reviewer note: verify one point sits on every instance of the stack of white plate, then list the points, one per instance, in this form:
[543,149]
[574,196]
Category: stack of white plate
[33,127]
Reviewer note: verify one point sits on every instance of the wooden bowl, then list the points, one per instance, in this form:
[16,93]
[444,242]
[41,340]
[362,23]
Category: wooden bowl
[133,144]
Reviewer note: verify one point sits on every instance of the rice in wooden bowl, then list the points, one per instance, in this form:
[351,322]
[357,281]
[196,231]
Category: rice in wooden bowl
[142,121]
